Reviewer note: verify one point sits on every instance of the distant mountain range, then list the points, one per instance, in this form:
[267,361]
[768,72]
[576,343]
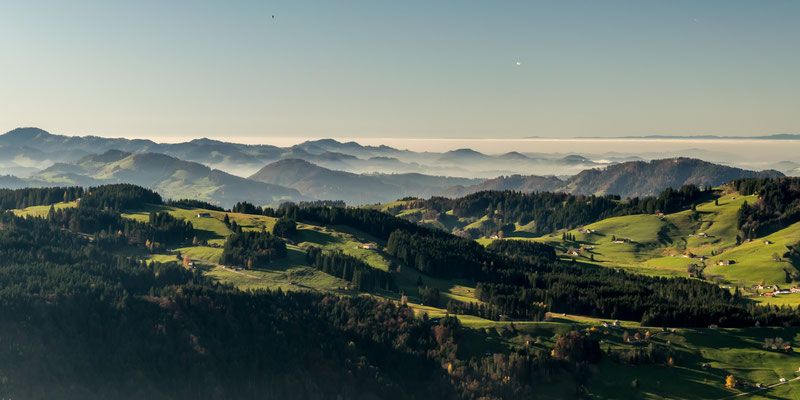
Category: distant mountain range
[224,173]
[629,179]
[782,136]
[322,183]
[28,150]
[170,176]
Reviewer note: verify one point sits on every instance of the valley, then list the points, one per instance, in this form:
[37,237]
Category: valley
[697,299]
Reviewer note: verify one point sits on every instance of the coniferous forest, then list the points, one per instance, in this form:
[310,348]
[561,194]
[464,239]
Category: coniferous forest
[119,327]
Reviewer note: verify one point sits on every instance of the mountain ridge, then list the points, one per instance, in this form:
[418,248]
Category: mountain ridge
[627,179]
[170,176]
[327,184]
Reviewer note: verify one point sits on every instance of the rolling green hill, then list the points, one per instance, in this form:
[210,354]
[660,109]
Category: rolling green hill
[627,179]
[659,245]
[667,245]
[702,358]
[698,359]
[293,273]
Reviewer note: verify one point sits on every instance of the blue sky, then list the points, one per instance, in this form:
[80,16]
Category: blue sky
[400,69]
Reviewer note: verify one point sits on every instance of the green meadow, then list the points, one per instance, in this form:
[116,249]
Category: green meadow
[41,211]
[702,357]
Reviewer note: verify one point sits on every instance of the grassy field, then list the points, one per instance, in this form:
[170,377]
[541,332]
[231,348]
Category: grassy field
[783,299]
[759,259]
[41,211]
[665,246]
[290,273]
[211,229]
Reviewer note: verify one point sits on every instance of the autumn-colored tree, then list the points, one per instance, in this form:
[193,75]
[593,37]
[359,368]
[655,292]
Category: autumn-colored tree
[186,261]
[730,382]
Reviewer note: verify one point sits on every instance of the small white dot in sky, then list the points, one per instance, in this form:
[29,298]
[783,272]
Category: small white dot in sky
[519,63]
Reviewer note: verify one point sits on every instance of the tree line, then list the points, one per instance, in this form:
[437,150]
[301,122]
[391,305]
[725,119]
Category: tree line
[363,277]
[553,211]
[523,281]
[27,197]
[777,206]
[252,249]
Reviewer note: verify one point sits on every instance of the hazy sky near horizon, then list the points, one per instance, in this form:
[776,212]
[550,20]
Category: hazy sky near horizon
[168,69]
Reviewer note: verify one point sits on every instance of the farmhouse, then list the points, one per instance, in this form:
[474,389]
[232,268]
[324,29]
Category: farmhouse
[621,240]
[587,231]
[369,246]
[203,215]
[726,262]
[702,235]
